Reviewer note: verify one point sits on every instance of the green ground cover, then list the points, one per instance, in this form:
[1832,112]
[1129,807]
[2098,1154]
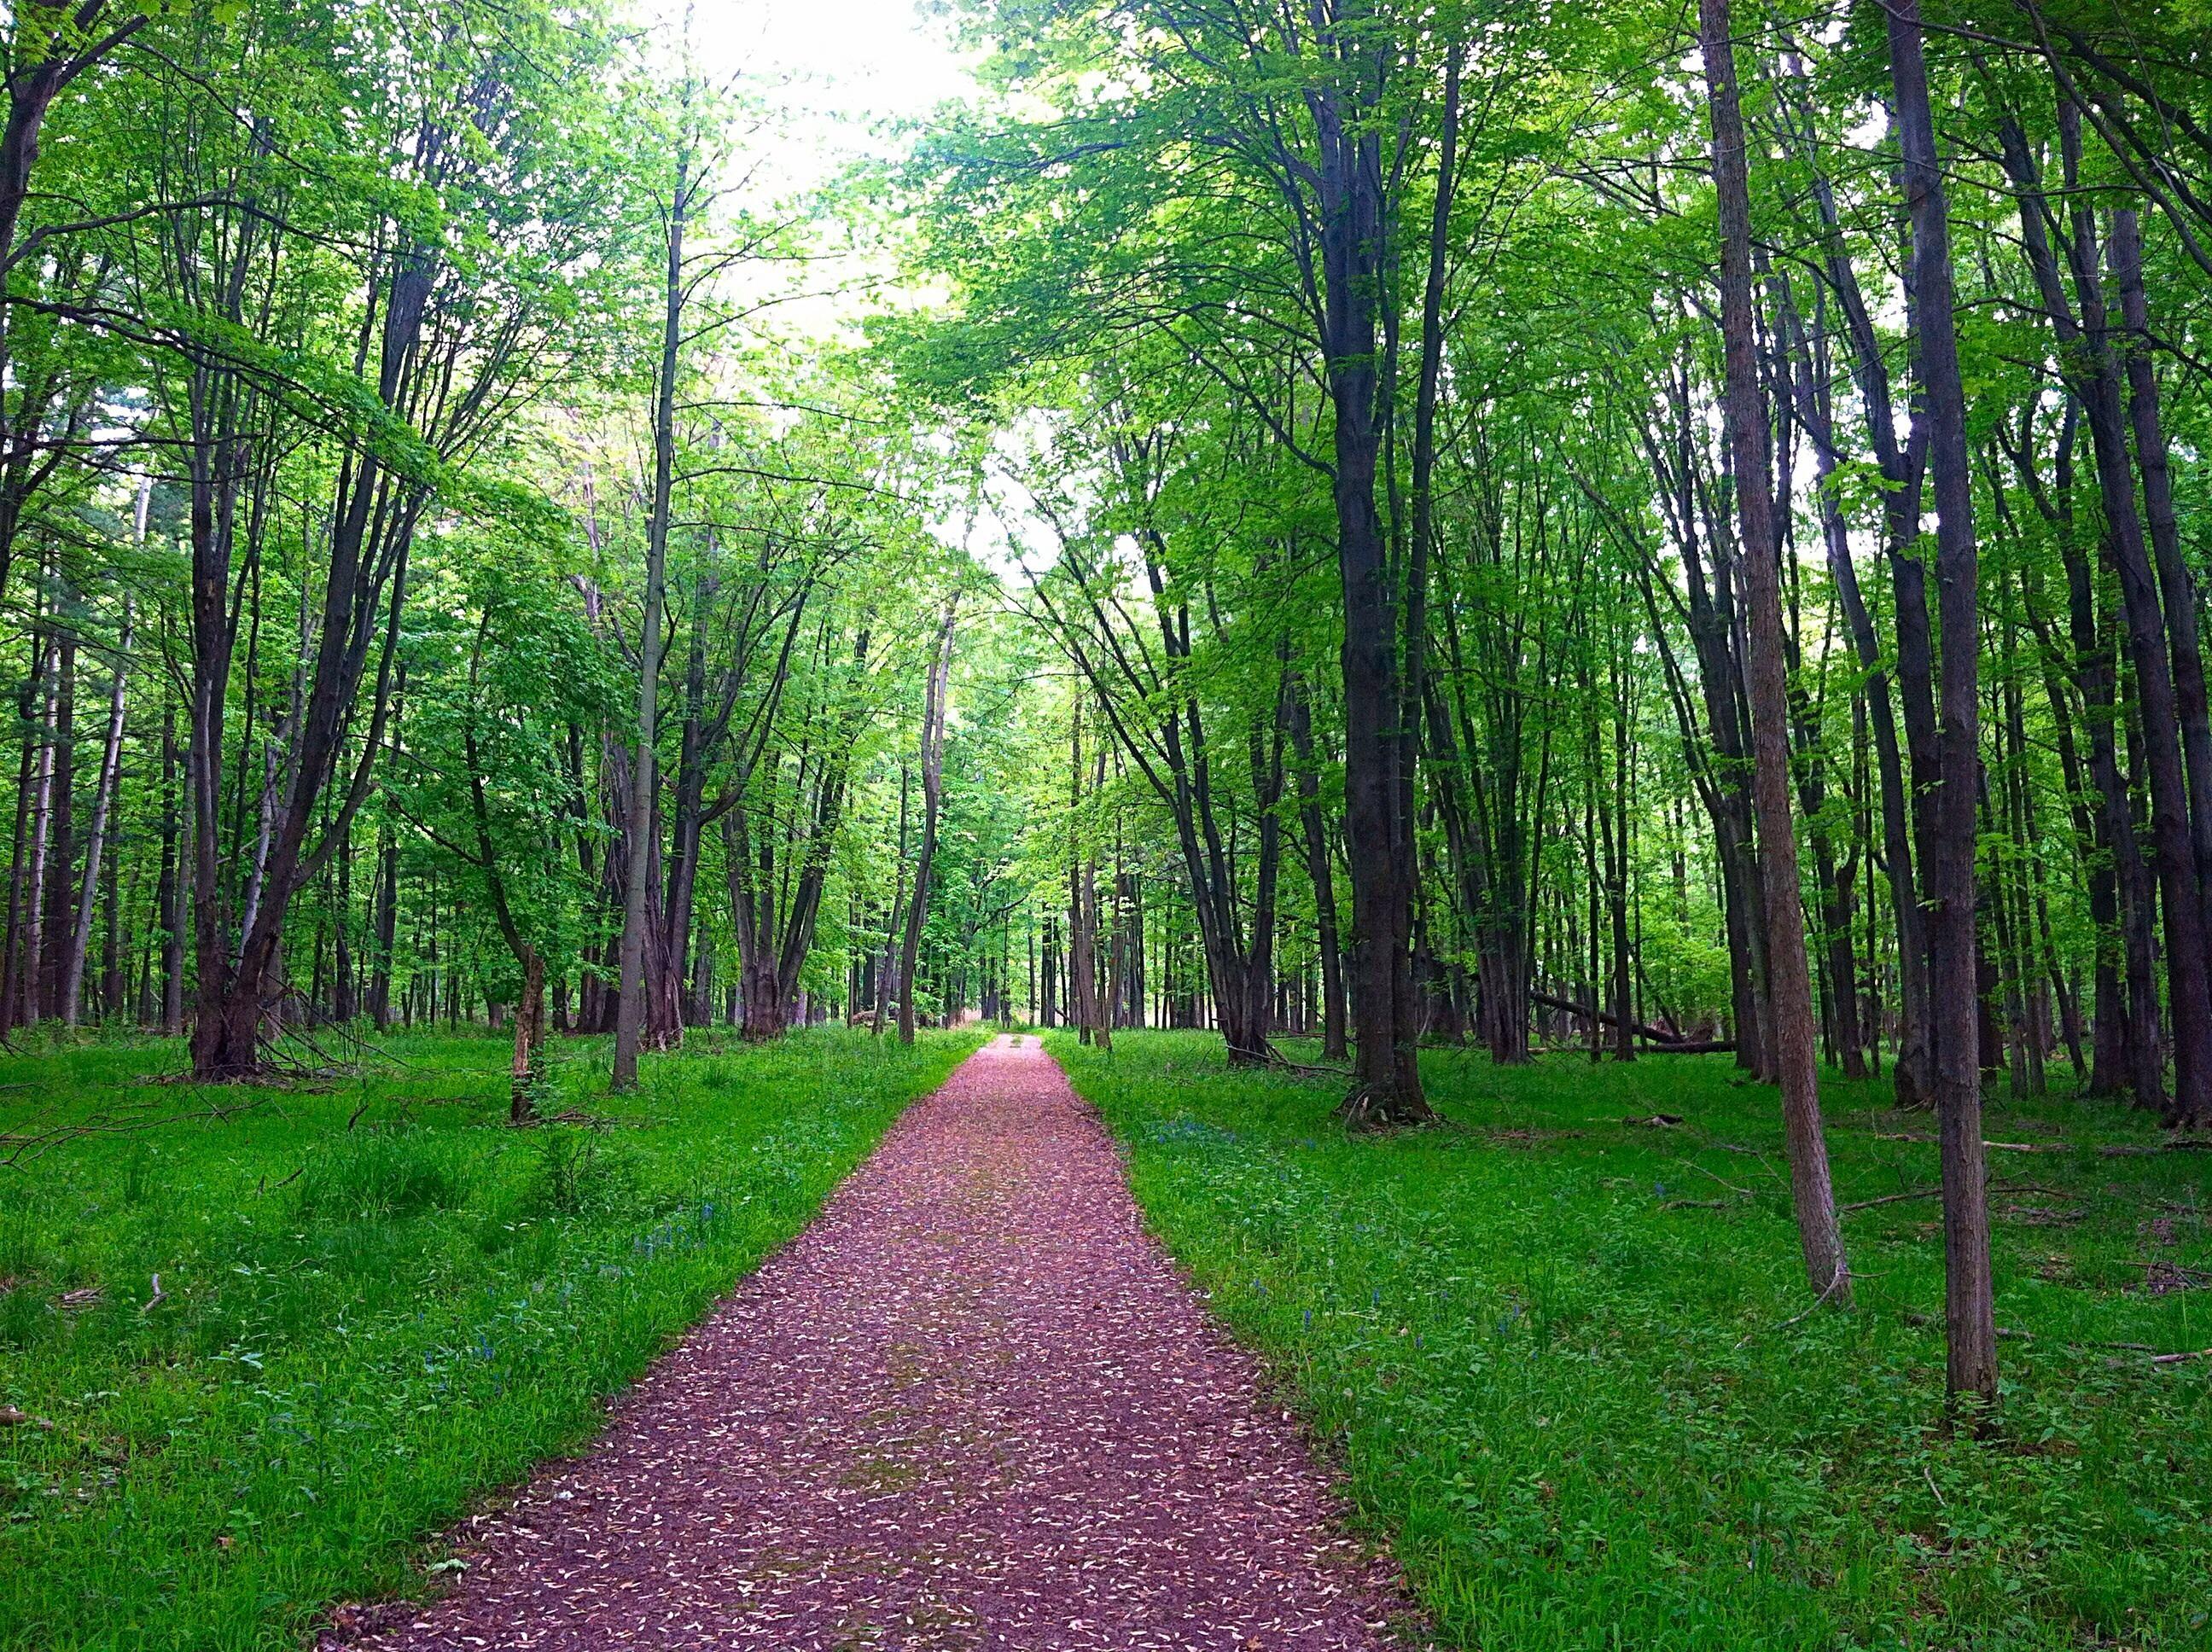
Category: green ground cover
[1556,1350]
[377,1304]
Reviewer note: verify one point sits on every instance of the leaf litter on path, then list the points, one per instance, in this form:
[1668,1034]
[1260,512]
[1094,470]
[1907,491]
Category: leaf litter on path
[973,1405]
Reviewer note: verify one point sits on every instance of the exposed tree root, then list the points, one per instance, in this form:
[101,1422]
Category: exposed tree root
[1367,1109]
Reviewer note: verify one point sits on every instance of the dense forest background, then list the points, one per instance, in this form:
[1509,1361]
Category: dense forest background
[1517,525]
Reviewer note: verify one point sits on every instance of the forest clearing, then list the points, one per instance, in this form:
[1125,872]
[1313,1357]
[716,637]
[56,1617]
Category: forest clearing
[1113,824]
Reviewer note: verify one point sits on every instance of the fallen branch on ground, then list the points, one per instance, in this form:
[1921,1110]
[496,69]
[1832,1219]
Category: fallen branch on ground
[1842,1280]
[1993,1146]
[1659,1038]
[1934,1193]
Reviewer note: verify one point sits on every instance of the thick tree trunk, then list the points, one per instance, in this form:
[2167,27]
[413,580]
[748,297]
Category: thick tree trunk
[1386,1011]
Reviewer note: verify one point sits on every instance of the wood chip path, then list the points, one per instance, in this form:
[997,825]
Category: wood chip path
[971,1406]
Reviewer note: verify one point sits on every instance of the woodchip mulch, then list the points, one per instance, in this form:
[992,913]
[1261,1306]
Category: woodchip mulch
[972,1406]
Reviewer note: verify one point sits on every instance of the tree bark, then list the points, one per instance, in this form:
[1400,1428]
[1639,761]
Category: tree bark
[1386,1010]
[95,841]
[2177,585]
[1969,1308]
[932,788]
[1743,404]
[630,1000]
[1321,872]
[2092,370]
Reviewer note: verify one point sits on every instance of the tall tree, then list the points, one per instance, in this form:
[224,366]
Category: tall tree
[1743,407]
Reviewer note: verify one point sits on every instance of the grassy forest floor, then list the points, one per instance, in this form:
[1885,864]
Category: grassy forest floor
[376,1302]
[1562,1349]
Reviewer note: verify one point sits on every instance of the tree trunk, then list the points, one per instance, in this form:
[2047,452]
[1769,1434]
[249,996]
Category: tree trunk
[42,820]
[2176,588]
[58,926]
[933,779]
[21,892]
[526,1075]
[1947,869]
[169,898]
[1790,988]
[96,835]
[630,1001]
[2093,373]
[1386,1011]
[1320,872]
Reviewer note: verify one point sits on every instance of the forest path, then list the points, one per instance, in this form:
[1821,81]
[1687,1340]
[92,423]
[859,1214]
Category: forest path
[971,1406]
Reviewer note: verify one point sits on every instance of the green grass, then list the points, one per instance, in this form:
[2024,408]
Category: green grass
[381,1304]
[1554,1351]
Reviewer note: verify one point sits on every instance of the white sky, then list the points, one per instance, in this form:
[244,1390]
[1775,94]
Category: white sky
[835,69]
[838,75]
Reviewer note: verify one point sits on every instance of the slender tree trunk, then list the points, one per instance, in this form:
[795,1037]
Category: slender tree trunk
[35,891]
[1790,986]
[933,786]
[2164,722]
[2177,586]
[664,1017]
[1624,1046]
[2093,373]
[525,1072]
[1323,877]
[1970,1308]
[12,967]
[1082,895]
[630,1002]
[95,843]
[56,927]
[169,896]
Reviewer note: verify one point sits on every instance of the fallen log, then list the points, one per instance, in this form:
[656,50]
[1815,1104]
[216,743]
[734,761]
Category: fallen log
[1659,1038]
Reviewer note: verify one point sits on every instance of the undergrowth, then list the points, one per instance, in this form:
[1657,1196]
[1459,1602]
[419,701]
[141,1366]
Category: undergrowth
[376,1304]
[1558,1348]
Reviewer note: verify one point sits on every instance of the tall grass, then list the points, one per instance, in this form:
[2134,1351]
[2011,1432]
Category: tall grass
[376,1303]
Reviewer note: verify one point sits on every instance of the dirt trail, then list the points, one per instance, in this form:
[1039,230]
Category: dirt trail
[972,1406]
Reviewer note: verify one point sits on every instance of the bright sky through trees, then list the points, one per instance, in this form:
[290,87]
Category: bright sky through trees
[1626,573]
[837,69]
